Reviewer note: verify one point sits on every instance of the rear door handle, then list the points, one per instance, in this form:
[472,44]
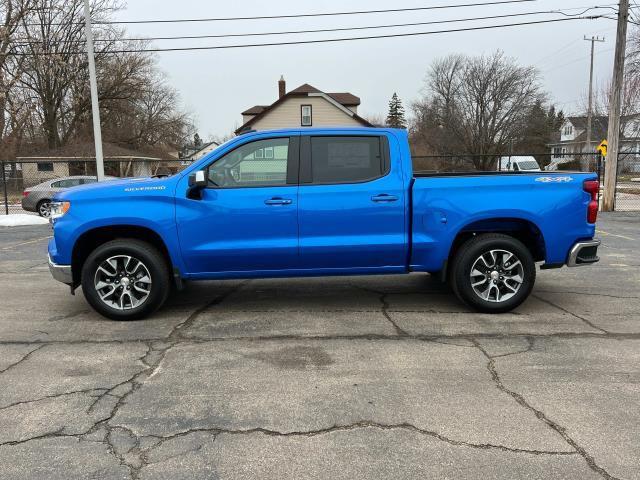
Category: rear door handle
[278,201]
[384,197]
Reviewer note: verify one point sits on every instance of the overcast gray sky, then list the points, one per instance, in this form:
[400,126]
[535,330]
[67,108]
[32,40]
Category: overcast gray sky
[216,85]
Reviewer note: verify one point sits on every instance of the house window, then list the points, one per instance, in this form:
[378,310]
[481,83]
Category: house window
[559,152]
[305,116]
[45,166]
[568,130]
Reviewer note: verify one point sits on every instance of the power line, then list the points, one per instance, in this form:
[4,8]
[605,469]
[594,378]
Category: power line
[567,45]
[319,14]
[326,14]
[324,30]
[331,40]
[635,5]
[577,60]
[561,49]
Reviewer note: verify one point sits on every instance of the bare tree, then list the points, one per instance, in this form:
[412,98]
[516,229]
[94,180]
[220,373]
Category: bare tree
[475,105]
[376,119]
[602,95]
[13,108]
[138,108]
[150,118]
[55,65]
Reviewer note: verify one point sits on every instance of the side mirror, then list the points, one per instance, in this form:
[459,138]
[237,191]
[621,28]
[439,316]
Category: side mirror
[198,179]
[197,182]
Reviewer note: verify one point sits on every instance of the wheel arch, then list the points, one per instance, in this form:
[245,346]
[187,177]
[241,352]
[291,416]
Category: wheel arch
[93,238]
[522,229]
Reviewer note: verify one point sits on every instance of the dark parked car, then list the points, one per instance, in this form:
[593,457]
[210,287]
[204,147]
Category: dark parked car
[38,198]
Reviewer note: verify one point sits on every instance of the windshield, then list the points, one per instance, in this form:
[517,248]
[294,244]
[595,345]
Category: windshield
[528,165]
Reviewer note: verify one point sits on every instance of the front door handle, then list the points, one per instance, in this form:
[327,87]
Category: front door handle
[278,201]
[384,197]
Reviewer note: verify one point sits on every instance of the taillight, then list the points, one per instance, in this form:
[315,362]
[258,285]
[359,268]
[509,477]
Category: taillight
[592,187]
[25,193]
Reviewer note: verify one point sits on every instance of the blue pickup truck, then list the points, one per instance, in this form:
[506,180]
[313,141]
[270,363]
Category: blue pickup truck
[319,202]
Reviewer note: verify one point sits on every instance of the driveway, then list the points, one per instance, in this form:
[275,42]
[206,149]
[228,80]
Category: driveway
[341,378]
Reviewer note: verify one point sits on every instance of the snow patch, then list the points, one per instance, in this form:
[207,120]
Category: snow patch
[21,219]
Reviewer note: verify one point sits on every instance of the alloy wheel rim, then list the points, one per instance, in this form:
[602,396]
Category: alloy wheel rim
[497,276]
[45,209]
[123,282]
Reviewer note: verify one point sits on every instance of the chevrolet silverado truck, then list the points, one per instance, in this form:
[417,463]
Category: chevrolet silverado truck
[319,202]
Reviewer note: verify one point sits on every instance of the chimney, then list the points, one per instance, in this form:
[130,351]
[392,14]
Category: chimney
[282,87]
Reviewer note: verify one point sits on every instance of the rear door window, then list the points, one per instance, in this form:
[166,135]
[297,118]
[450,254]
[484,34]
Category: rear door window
[346,159]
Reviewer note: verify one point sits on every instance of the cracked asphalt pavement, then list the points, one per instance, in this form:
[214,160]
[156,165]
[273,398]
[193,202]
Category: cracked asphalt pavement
[341,378]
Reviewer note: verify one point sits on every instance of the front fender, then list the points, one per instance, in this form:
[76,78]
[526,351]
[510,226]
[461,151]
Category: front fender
[153,212]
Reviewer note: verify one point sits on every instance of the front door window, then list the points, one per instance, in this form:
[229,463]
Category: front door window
[256,164]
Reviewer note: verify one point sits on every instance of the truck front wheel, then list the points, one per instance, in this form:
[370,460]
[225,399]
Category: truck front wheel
[493,273]
[125,279]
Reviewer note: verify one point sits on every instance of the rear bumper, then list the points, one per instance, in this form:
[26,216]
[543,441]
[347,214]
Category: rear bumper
[28,205]
[583,253]
[62,273]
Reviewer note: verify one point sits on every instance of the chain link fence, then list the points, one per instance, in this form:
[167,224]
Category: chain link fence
[591,162]
[627,186]
[628,182]
[26,186]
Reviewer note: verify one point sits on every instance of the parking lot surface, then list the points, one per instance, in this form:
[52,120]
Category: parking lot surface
[341,378]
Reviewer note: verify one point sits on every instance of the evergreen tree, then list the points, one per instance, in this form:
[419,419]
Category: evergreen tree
[539,129]
[197,141]
[395,118]
[541,125]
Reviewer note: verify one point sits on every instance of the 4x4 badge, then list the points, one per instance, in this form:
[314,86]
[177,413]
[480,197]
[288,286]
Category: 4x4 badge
[554,179]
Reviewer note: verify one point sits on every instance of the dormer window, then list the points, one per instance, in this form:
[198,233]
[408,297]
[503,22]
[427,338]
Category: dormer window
[305,116]
[568,130]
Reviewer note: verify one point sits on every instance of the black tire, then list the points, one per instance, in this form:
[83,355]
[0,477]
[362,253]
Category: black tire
[40,209]
[469,255]
[152,260]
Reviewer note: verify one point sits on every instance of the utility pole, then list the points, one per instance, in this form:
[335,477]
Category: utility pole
[585,161]
[95,108]
[613,136]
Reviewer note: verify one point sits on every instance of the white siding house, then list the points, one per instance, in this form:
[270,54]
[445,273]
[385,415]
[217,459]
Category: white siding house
[572,140]
[305,106]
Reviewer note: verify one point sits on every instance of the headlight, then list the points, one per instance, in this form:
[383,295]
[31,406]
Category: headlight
[58,209]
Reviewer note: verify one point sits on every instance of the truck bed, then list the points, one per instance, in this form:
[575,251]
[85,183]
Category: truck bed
[446,204]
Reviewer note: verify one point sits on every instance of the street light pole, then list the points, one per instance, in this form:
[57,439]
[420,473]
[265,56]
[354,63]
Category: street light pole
[613,136]
[95,108]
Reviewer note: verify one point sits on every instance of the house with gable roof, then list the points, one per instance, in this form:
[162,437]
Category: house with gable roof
[305,106]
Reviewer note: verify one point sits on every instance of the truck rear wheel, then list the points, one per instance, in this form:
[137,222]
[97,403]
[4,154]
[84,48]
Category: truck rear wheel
[493,273]
[125,279]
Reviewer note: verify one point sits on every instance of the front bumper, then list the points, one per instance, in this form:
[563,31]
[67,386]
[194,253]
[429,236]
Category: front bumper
[583,253]
[62,273]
